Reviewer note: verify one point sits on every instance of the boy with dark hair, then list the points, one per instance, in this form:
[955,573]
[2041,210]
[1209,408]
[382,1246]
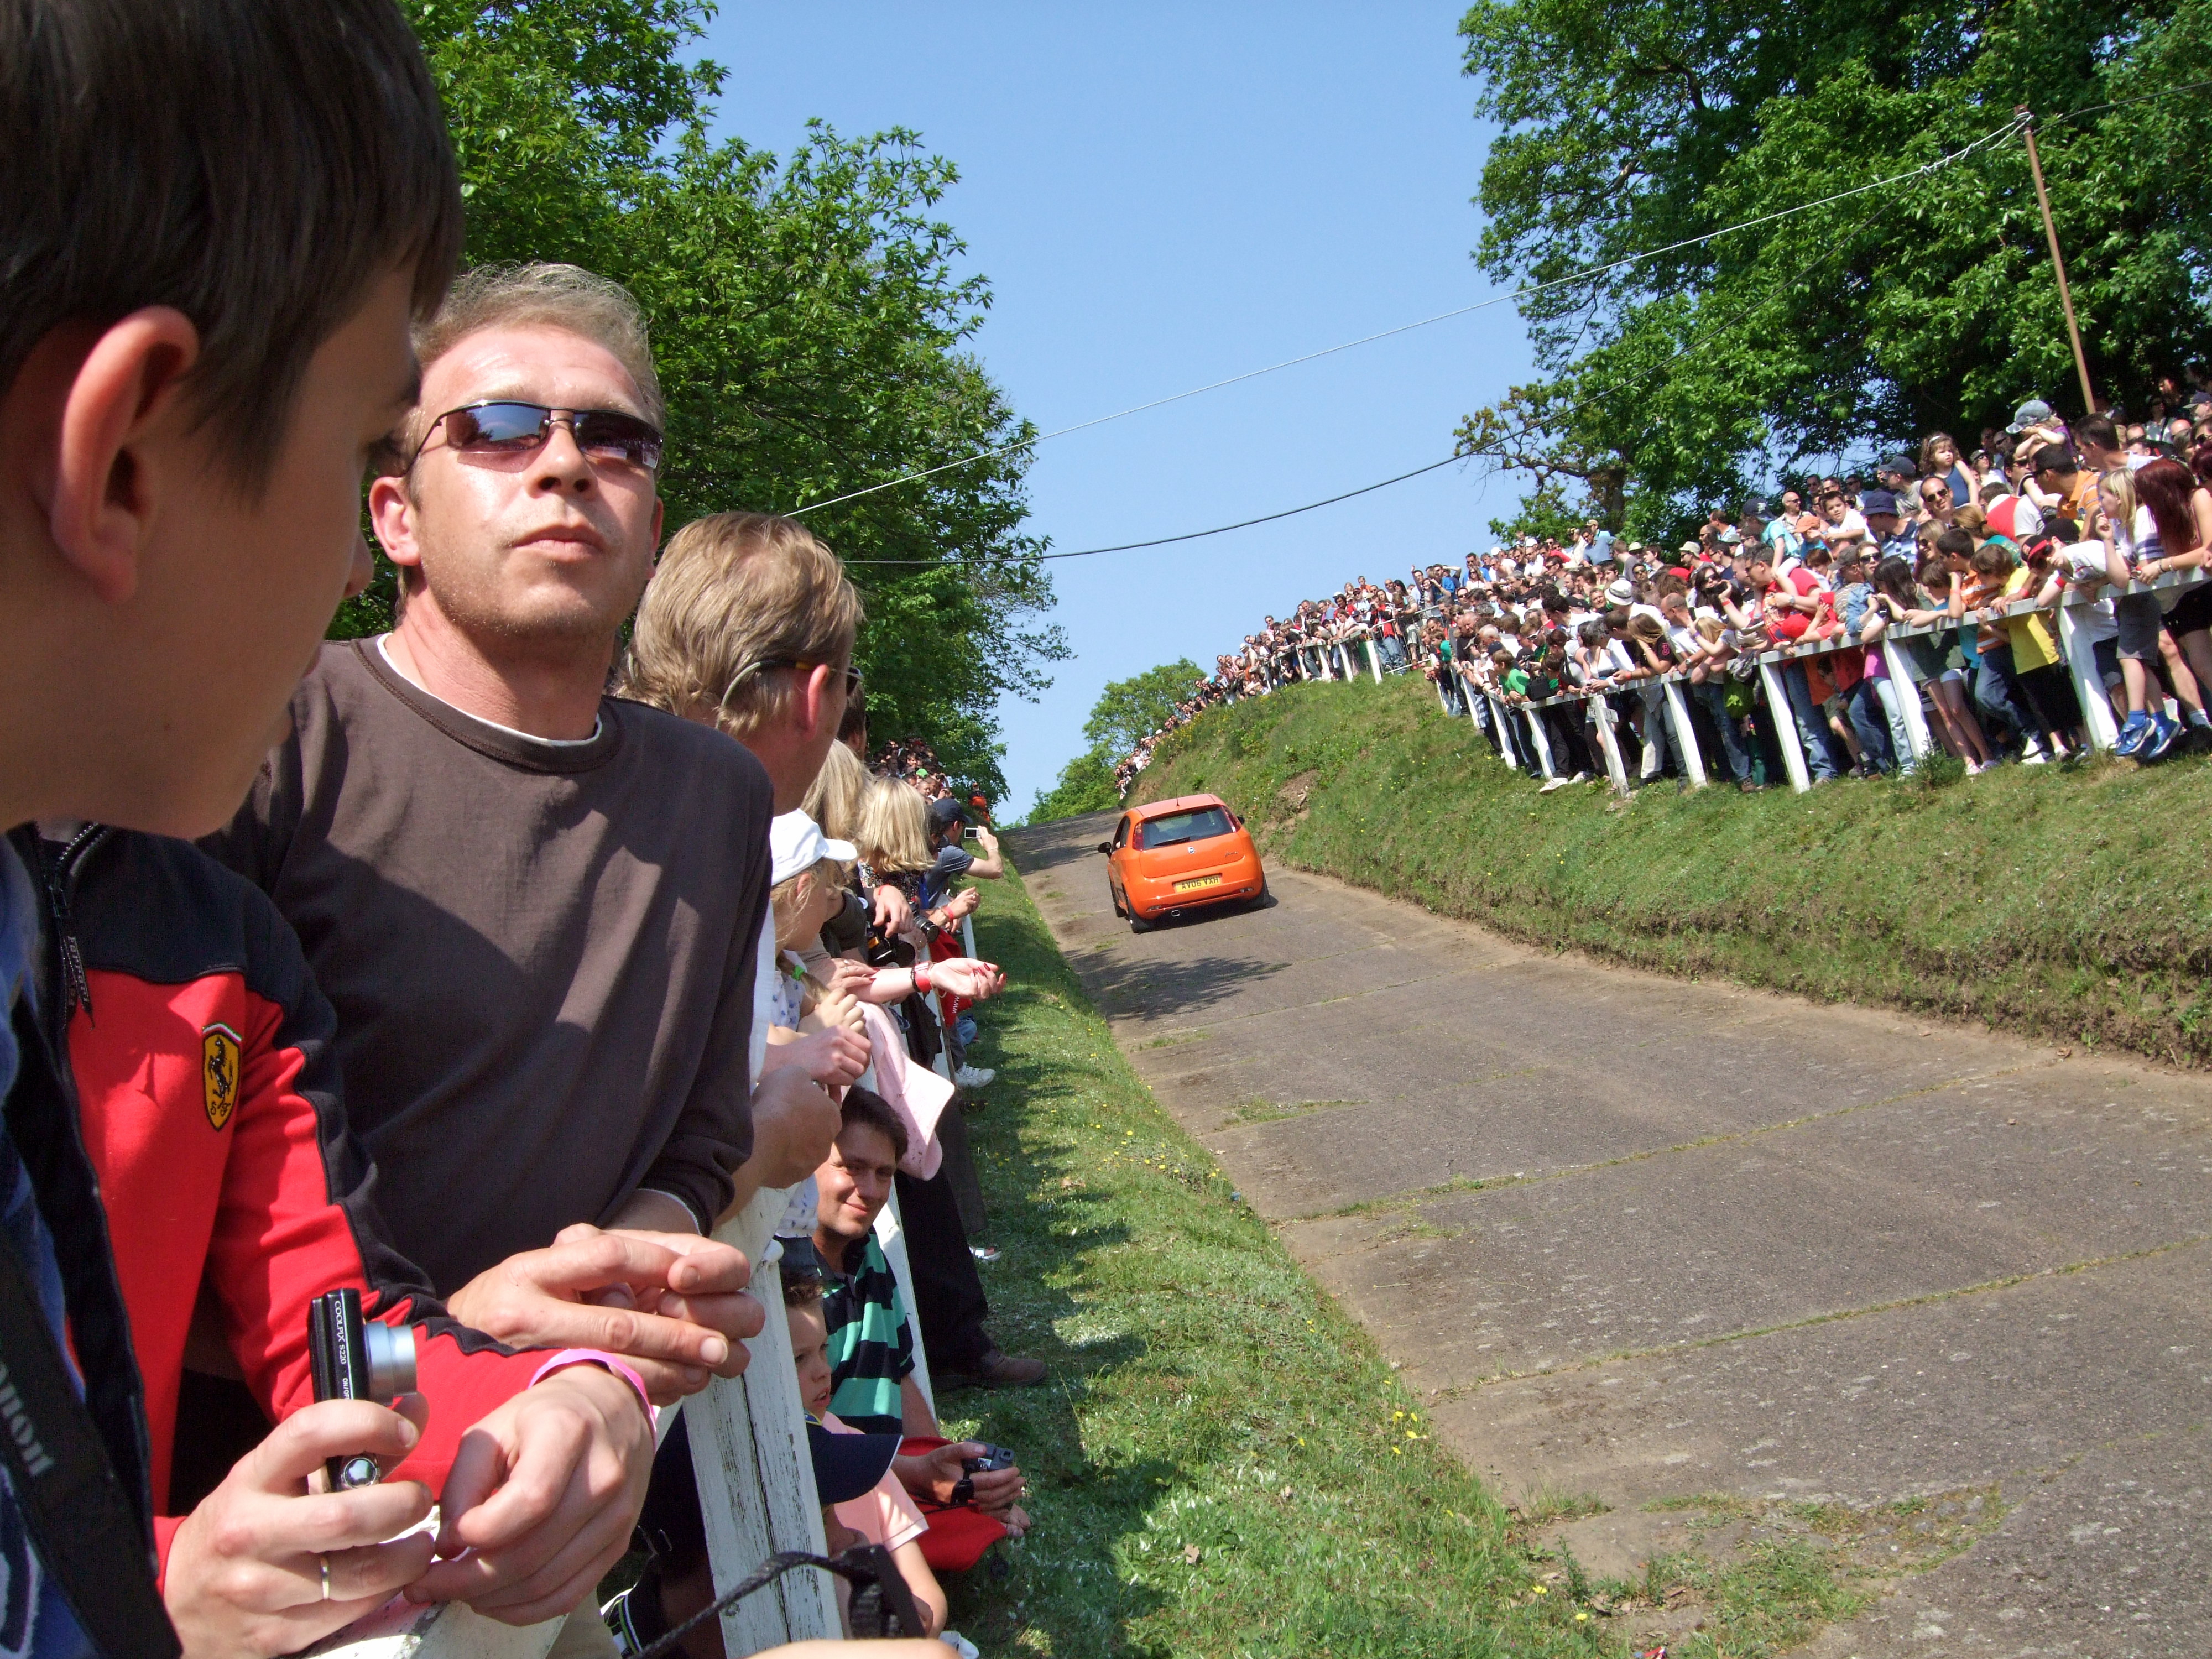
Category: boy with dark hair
[187,406]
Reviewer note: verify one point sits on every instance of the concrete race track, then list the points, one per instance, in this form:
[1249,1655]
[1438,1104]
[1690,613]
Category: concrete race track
[1726,1242]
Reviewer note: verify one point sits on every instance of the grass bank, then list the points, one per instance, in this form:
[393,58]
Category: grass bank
[1223,1464]
[2070,904]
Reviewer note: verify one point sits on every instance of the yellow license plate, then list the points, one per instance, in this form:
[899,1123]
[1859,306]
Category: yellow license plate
[1201,881]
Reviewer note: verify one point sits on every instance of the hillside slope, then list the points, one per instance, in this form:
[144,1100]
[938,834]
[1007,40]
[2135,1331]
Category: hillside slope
[2070,904]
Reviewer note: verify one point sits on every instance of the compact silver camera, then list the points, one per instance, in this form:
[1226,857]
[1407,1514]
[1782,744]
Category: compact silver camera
[355,1358]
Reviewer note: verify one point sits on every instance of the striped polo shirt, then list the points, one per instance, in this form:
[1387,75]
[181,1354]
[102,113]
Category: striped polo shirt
[870,1342]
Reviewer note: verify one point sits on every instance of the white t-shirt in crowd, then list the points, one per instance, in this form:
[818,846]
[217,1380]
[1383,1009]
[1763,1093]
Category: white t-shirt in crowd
[2086,560]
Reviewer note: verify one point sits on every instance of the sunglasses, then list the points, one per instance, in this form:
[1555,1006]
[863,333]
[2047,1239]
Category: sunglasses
[852,674]
[516,431]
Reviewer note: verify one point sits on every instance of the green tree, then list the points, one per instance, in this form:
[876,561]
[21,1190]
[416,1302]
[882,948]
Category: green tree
[1085,785]
[810,324]
[1632,126]
[1127,711]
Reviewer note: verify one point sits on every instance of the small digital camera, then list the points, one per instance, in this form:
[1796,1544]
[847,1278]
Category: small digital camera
[994,1457]
[355,1358]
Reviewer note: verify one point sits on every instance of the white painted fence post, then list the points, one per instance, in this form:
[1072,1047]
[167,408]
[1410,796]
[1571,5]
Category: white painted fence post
[1615,769]
[1906,689]
[890,1233]
[2088,685]
[1508,745]
[1543,743]
[756,1475]
[1374,665]
[1686,740]
[1786,728]
[943,1063]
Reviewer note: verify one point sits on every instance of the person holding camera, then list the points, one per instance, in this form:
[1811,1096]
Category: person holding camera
[236,1196]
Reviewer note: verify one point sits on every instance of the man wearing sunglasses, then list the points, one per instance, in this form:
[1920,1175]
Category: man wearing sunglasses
[534,907]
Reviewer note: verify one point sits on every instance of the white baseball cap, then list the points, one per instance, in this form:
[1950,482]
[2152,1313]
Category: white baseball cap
[797,844]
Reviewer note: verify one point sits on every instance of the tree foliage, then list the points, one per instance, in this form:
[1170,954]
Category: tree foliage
[809,323]
[1632,126]
[1085,785]
[1127,712]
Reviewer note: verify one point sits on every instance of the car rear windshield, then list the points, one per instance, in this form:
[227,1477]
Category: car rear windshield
[1172,828]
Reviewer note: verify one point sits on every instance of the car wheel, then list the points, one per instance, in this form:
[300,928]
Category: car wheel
[1137,923]
[1266,898]
[1114,898]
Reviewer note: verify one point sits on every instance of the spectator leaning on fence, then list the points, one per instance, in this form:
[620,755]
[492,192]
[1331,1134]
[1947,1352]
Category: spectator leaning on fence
[499,988]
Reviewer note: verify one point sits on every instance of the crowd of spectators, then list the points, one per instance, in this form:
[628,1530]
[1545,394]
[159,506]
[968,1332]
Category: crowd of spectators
[1923,597]
[480,987]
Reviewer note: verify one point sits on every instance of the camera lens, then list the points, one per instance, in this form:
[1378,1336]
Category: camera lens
[391,1359]
[356,1472]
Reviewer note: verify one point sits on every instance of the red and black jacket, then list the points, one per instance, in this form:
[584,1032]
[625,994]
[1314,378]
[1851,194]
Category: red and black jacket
[213,1118]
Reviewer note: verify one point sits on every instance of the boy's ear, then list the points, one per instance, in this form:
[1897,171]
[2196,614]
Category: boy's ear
[99,492]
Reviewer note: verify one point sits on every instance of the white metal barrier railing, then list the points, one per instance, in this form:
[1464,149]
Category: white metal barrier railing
[2080,657]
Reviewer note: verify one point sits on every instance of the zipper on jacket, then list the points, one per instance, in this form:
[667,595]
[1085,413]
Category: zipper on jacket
[59,871]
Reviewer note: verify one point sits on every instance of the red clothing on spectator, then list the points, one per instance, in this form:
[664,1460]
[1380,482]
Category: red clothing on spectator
[211,1114]
[959,1533]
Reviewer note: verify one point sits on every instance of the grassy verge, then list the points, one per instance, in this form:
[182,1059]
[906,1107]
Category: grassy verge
[1222,1463]
[2073,904]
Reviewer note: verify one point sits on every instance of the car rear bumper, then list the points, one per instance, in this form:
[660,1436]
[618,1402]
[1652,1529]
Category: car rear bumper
[1156,899]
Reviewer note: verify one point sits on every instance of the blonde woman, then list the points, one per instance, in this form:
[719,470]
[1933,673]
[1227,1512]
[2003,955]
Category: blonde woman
[834,800]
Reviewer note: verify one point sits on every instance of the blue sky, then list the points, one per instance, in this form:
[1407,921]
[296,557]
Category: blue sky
[1161,196]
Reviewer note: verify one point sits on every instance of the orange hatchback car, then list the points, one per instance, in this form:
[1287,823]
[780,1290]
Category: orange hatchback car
[1173,857]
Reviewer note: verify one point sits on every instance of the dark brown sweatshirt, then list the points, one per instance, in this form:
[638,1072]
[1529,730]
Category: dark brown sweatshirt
[541,954]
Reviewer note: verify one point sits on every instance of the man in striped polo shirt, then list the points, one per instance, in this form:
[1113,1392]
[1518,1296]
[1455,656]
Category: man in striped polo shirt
[870,1347]
[871,1338]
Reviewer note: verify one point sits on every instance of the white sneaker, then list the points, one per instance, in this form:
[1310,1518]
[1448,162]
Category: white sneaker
[2034,754]
[974,1077]
[1550,784]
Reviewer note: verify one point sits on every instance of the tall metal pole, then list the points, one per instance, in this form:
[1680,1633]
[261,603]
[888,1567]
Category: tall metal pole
[2057,260]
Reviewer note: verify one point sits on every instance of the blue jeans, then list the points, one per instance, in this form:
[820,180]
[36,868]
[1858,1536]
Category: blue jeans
[1714,696]
[1997,695]
[1811,728]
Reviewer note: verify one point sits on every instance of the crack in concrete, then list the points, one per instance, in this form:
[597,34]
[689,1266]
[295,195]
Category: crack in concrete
[1463,1391]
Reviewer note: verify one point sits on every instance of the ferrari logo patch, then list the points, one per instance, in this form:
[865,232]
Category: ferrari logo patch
[219,1063]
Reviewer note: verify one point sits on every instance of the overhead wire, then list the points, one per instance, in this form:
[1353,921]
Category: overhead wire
[2011,126]
[1527,291]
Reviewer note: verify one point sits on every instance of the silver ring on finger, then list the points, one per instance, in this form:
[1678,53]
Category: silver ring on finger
[323,1562]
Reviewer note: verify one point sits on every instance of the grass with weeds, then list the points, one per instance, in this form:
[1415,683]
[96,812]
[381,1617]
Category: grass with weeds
[1783,1567]
[1221,1463]
[2069,903]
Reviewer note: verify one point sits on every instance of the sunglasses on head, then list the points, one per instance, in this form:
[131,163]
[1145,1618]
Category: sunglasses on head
[512,431]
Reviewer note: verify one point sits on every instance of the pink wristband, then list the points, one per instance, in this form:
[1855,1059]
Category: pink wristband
[569,1357]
